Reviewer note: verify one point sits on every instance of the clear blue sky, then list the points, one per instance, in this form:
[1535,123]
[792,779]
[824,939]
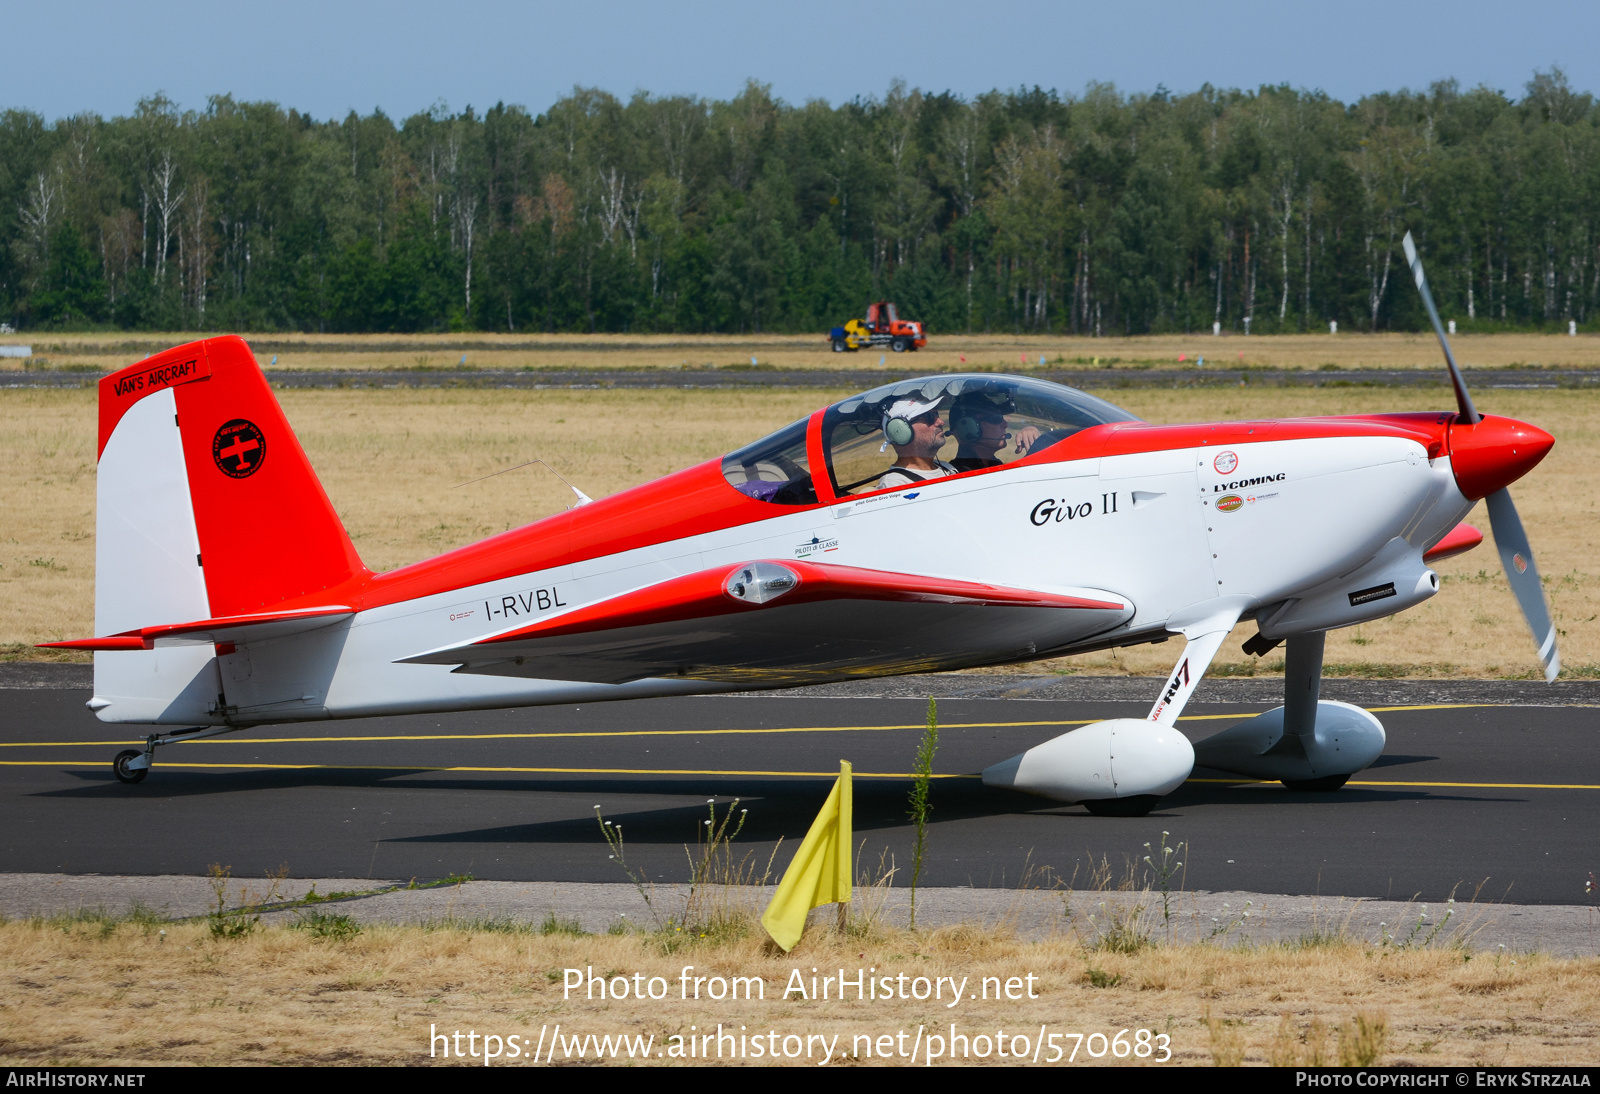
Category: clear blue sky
[328,57]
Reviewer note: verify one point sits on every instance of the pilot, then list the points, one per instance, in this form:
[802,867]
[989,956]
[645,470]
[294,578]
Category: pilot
[978,419]
[915,429]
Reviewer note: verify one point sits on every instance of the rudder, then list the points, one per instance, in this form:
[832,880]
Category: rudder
[265,529]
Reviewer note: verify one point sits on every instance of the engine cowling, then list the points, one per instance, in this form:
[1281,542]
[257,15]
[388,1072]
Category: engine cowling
[1115,759]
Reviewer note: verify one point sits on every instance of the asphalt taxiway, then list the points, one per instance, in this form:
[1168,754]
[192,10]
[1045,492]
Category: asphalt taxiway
[1481,789]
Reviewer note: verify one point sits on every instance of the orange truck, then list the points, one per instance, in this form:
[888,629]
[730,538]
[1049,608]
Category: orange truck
[882,327]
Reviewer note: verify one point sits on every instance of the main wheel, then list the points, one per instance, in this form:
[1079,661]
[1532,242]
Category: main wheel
[1325,785]
[1138,805]
[898,345]
[123,772]
[838,345]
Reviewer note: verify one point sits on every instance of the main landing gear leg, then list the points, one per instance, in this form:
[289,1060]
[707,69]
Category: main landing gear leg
[132,765]
[1302,686]
[1203,636]
[1309,743]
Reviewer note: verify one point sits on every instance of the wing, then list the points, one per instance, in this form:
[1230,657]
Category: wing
[773,623]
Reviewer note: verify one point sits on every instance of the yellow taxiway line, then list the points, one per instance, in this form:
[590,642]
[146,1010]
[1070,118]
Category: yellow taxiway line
[1377,782]
[745,773]
[222,740]
[508,770]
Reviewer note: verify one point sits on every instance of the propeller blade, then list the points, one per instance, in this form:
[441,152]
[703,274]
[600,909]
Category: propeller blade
[1517,558]
[1469,413]
[1516,555]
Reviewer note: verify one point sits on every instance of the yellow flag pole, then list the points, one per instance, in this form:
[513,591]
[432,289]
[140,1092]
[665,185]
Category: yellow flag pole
[844,886]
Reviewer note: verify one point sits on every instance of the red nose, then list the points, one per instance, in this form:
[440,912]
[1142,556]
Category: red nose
[1494,453]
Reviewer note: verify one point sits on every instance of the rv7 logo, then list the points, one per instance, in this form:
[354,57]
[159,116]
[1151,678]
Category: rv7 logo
[1180,679]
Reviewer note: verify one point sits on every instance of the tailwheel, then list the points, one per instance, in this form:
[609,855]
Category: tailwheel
[124,773]
[1326,784]
[1138,805]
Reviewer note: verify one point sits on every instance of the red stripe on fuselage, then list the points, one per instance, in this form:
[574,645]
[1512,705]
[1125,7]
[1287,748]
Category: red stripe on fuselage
[698,500]
[704,595]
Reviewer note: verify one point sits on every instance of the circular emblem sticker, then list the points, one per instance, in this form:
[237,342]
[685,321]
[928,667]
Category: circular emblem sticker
[1228,503]
[239,448]
[1225,463]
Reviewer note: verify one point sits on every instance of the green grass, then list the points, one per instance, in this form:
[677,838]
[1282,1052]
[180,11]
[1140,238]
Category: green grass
[101,922]
[496,924]
[326,925]
[554,924]
[1099,978]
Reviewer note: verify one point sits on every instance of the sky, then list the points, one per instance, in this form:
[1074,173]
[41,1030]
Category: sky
[404,56]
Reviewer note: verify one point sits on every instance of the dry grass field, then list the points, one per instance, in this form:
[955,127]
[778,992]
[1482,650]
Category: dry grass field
[944,352]
[392,460]
[91,991]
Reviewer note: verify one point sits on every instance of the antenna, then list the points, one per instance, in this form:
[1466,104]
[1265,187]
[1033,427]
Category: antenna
[583,499]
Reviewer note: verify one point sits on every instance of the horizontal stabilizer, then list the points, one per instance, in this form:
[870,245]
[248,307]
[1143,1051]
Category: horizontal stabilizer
[232,628]
[779,622]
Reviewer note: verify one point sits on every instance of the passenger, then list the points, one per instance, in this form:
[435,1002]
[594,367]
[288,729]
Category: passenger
[979,422]
[915,429]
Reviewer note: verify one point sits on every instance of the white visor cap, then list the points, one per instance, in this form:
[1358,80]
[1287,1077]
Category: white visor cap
[908,409]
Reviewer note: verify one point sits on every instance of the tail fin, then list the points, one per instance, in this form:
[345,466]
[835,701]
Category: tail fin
[207,505]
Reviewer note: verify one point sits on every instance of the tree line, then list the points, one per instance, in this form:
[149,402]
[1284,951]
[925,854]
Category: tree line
[1102,213]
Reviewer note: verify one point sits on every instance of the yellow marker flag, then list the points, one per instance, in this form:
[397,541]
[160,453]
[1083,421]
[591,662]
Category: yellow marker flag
[820,872]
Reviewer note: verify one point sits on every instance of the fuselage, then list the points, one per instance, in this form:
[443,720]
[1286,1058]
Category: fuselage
[1278,515]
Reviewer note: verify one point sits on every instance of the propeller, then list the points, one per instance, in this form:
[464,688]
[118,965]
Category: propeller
[1516,556]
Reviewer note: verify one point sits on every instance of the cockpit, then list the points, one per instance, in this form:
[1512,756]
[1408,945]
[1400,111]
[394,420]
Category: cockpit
[912,431]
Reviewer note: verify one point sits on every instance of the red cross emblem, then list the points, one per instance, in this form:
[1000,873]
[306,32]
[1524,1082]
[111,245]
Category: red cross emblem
[239,449]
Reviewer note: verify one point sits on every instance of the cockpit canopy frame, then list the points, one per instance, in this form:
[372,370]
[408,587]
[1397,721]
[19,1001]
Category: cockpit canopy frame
[978,411]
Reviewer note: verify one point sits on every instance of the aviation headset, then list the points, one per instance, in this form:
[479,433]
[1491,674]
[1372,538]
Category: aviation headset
[967,412]
[898,418]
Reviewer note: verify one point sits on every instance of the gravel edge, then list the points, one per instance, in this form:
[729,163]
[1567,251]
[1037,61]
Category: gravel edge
[1217,917]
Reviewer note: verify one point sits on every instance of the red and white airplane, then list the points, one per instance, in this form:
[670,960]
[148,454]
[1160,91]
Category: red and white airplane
[863,540]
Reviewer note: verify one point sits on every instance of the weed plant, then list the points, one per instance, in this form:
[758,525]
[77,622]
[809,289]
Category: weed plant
[554,924]
[340,928]
[870,896]
[1421,936]
[1120,923]
[99,923]
[922,769]
[619,855]
[718,899]
[494,924]
[244,916]
[1165,871]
